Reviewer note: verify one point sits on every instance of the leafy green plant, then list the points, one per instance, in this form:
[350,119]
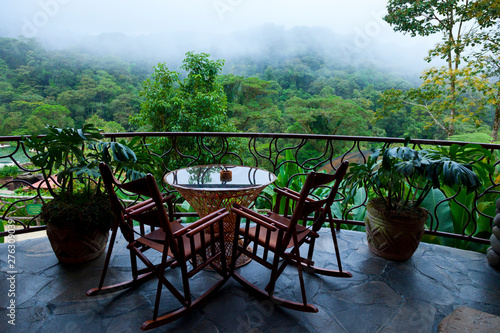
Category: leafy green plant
[74,154]
[289,175]
[465,212]
[436,188]
[9,171]
[403,177]
[356,213]
[456,216]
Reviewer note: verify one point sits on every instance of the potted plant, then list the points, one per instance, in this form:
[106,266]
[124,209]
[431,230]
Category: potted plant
[397,181]
[79,216]
[7,173]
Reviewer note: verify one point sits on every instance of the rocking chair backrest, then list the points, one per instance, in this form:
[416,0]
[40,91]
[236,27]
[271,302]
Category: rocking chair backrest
[110,182]
[159,214]
[305,207]
[144,186]
[325,204]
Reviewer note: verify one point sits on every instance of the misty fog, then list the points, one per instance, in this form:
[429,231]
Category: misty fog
[163,31]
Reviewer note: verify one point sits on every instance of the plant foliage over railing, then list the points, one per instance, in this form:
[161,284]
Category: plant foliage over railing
[457,218]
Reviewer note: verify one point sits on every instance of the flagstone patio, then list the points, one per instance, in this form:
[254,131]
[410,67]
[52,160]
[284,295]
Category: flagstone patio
[382,296]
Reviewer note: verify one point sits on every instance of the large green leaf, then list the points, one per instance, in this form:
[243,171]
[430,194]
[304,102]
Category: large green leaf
[441,211]
[454,173]
[461,206]
[484,223]
[2,229]
[358,214]
[336,210]
[355,198]
[187,208]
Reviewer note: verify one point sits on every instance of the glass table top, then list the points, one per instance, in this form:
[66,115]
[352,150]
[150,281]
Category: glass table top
[219,177]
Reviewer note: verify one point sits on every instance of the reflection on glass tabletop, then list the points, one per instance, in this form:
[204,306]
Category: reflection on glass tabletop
[219,177]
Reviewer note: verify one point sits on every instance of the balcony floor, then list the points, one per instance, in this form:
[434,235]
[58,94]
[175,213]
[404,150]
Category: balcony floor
[382,296]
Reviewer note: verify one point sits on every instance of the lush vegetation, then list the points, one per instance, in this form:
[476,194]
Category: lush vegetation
[303,80]
[306,90]
[403,177]
[305,93]
[463,92]
[62,88]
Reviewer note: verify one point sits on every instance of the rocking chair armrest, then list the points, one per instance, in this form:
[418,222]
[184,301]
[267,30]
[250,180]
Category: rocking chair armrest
[260,219]
[139,205]
[167,197]
[147,204]
[134,210]
[255,219]
[291,194]
[215,216]
[208,223]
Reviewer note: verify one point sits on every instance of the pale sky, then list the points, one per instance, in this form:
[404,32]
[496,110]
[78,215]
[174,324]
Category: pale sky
[151,16]
[360,20]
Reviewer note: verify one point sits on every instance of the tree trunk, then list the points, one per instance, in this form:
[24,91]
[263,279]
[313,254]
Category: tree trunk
[496,123]
[453,78]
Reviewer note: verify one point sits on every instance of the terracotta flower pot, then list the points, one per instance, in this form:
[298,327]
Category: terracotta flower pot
[71,246]
[394,235]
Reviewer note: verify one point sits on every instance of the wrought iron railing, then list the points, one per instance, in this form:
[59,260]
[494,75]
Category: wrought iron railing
[287,155]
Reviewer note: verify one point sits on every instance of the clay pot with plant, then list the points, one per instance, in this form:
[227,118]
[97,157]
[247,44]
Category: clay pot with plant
[79,216]
[397,180]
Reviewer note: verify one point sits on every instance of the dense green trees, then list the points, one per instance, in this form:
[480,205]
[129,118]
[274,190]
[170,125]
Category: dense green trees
[46,114]
[456,94]
[303,92]
[251,101]
[197,103]
[327,115]
[39,87]
[486,58]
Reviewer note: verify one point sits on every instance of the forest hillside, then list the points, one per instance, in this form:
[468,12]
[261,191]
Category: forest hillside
[301,80]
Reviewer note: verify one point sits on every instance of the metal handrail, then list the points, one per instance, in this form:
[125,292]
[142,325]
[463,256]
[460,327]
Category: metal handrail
[269,149]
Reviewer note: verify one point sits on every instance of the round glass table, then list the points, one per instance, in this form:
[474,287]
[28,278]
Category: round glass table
[211,187]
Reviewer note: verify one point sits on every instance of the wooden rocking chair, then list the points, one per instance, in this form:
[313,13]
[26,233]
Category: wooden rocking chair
[321,208]
[276,233]
[177,243]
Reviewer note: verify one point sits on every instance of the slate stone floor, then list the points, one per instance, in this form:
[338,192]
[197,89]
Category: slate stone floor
[382,296]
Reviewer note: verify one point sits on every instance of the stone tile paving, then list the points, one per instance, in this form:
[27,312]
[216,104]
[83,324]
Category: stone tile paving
[382,296]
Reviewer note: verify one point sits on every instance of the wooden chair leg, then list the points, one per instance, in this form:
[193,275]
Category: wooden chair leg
[310,268]
[223,251]
[234,254]
[336,247]
[179,312]
[185,282]
[269,289]
[276,300]
[299,269]
[108,254]
[330,272]
[310,251]
[154,269]
[133,263]
[275,274]
[136,277]
[159,288]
